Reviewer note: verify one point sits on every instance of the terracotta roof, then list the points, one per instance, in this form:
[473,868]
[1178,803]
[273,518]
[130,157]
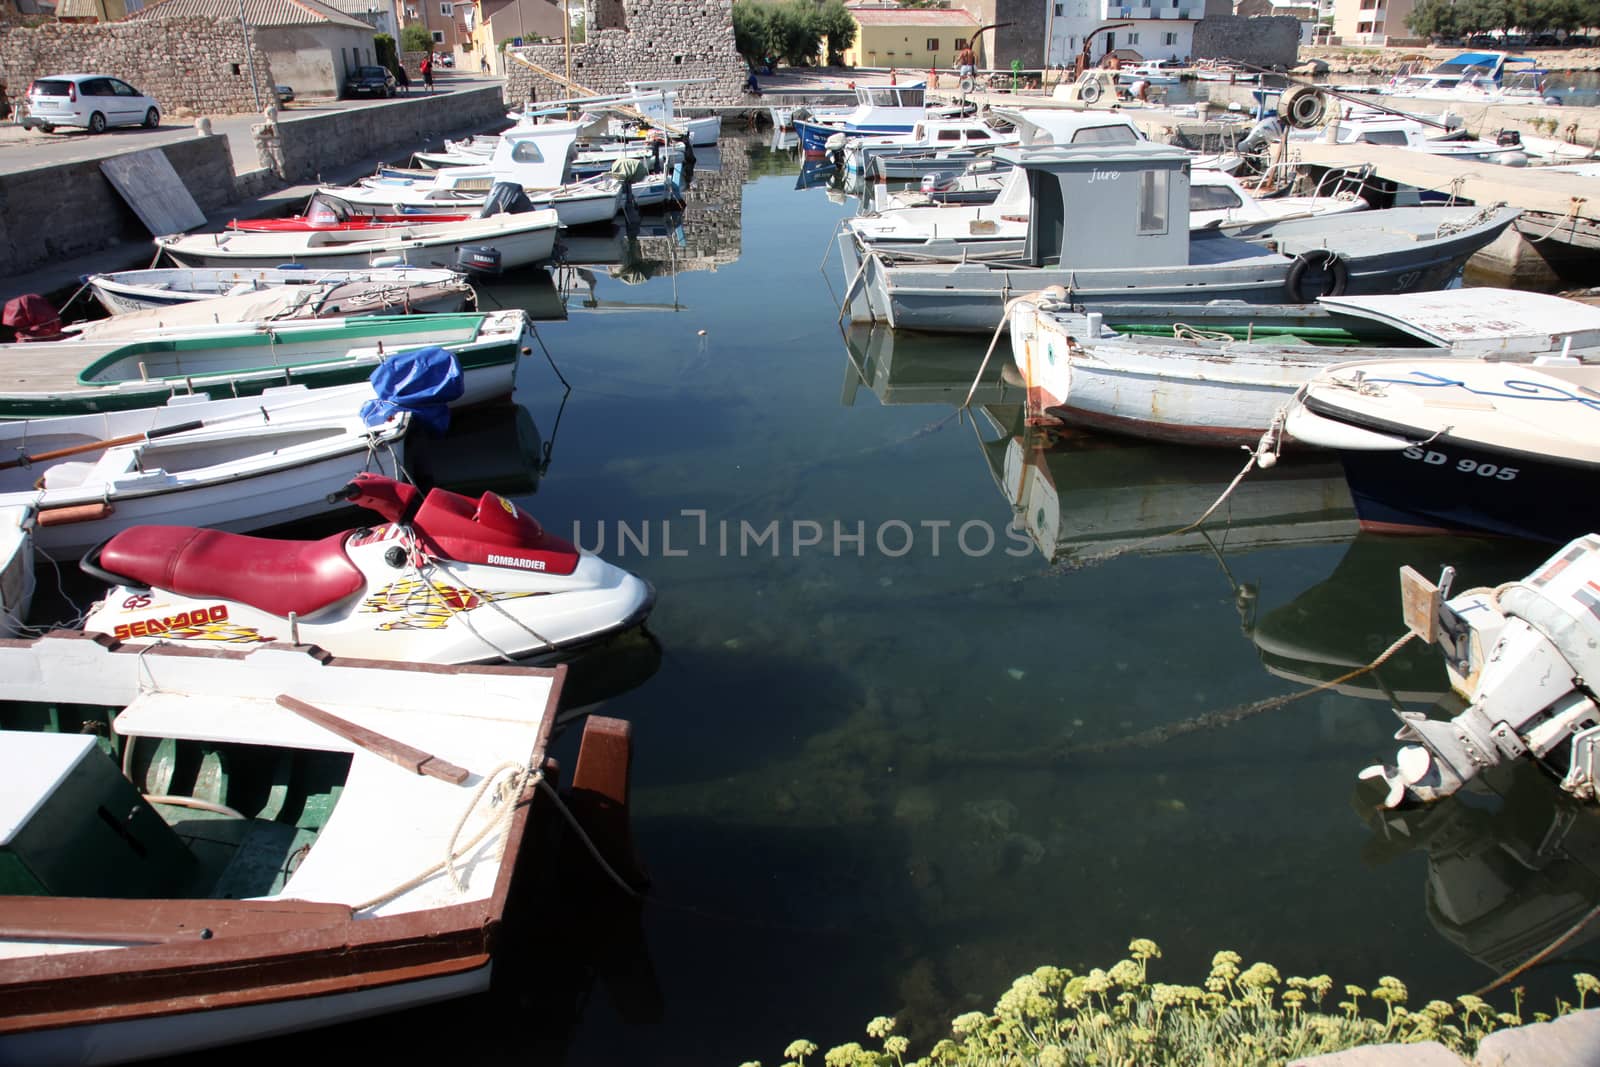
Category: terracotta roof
[257,12]
[912,16]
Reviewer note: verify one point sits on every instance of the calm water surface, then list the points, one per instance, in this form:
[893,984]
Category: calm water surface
[888,775]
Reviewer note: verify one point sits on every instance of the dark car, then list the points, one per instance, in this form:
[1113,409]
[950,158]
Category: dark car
[370,81]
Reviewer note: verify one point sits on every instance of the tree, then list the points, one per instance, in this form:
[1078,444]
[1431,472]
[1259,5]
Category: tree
[750,30]
[414,37]
[383,49]
[835,22]
[1433,18]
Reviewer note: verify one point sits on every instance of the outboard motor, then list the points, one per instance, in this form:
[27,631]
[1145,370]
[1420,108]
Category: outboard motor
[505,198]
[833,148]
[478,259]
[1522,655]
[1508,138]
[1261,134]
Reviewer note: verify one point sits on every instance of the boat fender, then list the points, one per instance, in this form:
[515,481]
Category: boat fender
[1325,259]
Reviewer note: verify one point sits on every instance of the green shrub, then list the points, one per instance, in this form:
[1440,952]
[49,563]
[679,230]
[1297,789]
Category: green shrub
[1243,1017]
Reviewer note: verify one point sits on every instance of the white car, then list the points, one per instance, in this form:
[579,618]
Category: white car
[88,101]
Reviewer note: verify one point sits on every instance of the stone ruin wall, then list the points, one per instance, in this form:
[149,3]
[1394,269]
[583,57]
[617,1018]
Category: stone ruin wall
[634,40]
[1263,42]
[187,64]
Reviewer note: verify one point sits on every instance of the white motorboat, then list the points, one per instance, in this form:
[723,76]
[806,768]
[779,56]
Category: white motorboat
[934,139]
[1468,445]
[656,101]
[230,464]
[520,240]
[374,290]
[242,359]
[1221,375]
[355,859]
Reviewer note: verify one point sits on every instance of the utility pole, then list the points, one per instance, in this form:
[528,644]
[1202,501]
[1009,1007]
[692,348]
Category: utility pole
[249,57]
[566,11]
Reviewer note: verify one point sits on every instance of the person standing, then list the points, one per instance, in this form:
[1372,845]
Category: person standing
[966,62]
[427,72]
[402,79]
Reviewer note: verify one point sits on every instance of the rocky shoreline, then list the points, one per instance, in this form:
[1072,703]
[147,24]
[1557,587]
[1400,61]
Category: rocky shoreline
[1372,60]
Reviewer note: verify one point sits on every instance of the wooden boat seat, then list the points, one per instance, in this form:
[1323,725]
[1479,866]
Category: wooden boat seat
[278,577]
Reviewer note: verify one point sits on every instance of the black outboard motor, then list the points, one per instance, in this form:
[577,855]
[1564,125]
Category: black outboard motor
[505,198]
[478,259]
[1508,138]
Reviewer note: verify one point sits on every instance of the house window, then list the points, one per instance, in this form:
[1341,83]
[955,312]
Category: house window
[438,37]
[1133,38]
[446,10]
[1169,38]
[1058,10]
[933,44]
[961,42]
[411,13]
[1153,201]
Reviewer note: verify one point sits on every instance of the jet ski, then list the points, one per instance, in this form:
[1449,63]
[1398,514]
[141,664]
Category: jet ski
[446,578]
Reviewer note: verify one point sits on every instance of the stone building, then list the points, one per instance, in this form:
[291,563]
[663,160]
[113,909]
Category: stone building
[311,46]
[641,40]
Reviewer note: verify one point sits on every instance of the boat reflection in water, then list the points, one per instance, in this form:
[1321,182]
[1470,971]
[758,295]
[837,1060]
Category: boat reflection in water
[903,368]
[1084,497]
[1346,620]
[1512,861]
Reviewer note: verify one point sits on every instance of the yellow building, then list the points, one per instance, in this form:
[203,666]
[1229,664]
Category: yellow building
[911,38]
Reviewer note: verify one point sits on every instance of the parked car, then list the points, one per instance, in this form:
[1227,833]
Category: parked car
[284,93]
[88,101]
[370,81]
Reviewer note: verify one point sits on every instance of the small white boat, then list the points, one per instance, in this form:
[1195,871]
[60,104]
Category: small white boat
[356,859]
[1154,71]
[657,102]
[938,139]
[241,359]
[231,464]
[1467,445]
[391,289]
[1220,374]
[16,567]
[521,240]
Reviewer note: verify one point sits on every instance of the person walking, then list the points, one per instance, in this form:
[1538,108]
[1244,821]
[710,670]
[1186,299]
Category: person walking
[427,72]
[402,79]
[483,63]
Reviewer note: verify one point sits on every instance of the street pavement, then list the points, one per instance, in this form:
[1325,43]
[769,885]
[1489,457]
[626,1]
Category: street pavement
[21,149]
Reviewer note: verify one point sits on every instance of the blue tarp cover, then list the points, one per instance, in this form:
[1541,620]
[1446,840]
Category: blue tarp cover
[422,381]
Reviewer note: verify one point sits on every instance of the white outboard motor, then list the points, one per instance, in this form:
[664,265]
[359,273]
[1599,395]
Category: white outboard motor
[1522,656]
[1261,134]
[834,147]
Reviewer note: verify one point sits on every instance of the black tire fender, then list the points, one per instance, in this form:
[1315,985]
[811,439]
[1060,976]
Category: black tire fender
[1328,260]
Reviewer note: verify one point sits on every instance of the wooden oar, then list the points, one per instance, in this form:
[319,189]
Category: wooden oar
[412,759]
[99,446]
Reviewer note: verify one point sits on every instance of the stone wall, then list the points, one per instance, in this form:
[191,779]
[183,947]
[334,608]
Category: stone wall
[302,146]
[1262,42]
[634,40]
[192,66]
[40,224]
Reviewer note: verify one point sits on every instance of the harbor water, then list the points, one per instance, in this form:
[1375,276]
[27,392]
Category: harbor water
[937,699]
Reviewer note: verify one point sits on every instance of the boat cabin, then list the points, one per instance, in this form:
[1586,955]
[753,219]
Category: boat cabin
[1047,126]
[1094,206]
[535,156]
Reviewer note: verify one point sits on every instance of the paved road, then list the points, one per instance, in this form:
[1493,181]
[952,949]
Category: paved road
[21,149]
